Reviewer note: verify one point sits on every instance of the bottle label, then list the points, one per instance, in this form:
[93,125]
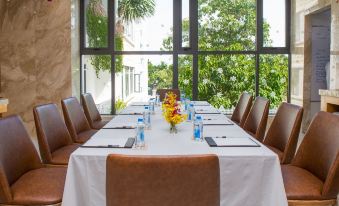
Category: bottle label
[142,136]
[196,132]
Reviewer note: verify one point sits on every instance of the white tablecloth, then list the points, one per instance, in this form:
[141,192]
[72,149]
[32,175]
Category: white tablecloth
[248,176]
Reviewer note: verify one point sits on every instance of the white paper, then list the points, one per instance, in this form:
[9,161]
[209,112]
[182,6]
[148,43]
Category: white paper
[119,142]
[229,141]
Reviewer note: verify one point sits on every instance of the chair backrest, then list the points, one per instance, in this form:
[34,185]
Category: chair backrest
[17,154]
[242,109]
[284,131]
[162,180]
[256,120]
[162,93]
[75,118]
[319,152]
[51,130]
[90,109]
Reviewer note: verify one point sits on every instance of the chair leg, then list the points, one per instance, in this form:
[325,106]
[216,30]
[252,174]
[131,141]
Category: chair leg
[312,203]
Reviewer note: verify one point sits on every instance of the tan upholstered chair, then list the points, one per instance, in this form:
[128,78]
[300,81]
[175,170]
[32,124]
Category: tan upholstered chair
[55,142]
[242,109]
[313,176]
[162,180]
[162,93]
[23,178]
[282,136]
[76,121]
[256,120]
[91,111]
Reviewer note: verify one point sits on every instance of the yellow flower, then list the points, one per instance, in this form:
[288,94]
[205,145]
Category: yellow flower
[171,109]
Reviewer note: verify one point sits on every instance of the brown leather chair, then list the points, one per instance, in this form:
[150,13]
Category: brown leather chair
[242,109]
[162,180]
[282,136]
[313,176]
[91,111]
[162,93]
[256,120]
[23,178]
[55,142]
[76,121]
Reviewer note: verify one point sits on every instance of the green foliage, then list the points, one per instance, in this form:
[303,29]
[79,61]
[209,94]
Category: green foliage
[97,28]
[120,105]
[131,10]
[230,25]
[160,76]
[97,32]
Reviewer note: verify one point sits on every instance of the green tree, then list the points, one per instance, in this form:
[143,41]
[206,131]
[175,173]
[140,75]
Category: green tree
[231,26]
[160,76]
[97,28]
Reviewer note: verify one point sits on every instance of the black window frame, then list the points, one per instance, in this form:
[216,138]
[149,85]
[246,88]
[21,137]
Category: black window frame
[179,50]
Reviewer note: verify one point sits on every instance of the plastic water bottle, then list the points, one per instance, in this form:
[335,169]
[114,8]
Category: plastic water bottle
[151,106]
[140,136]
[191,112]
[187,103]
[147,118]
[196,130]
[201,127]
[182,96]
[157,100]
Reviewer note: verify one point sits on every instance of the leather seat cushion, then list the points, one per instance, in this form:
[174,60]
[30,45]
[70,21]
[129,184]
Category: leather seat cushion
[277,151]
[99,124]
[86,135]
[39,187]
[61,155]
[300,184]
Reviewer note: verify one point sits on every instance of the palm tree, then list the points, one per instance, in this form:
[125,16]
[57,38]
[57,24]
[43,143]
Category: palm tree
[132,10]
[128,12]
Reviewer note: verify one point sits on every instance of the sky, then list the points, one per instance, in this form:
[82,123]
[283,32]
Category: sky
[153,30]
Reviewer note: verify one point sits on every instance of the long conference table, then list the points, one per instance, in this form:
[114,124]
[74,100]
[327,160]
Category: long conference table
[249,176]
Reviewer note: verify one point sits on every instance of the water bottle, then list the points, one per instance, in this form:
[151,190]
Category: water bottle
[201,127]
[140,136]
[191,112]
[187,103]
[147,118]
[182,97]
[157,100]
[196,130]
[151,106]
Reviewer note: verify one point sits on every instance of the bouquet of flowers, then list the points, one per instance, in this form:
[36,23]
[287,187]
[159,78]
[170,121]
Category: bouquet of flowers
[171,111]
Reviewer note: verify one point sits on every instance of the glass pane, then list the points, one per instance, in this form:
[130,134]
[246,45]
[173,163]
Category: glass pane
[274,23]
[227,25]
[273,82]
[186,74]
[297,79]
[75,36]
[222,78]
[185,15]
[144,25]
[97,80]
[139,76]
[96,27]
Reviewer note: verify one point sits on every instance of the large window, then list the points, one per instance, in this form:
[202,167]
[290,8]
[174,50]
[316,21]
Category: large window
[210,50]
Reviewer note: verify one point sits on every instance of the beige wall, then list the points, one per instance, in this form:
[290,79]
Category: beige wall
[301,51]
[35,54]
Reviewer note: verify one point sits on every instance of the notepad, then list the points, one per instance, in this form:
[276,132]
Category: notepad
[231,142]
[110,143]
[119,127]
[216,122]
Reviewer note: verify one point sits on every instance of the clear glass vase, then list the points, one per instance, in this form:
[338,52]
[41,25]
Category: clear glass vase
[173,128]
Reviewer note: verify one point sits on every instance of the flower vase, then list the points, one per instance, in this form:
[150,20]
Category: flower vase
[173,128]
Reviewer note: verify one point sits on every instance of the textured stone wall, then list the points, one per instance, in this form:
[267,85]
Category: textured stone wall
[301,48]
[35,54]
